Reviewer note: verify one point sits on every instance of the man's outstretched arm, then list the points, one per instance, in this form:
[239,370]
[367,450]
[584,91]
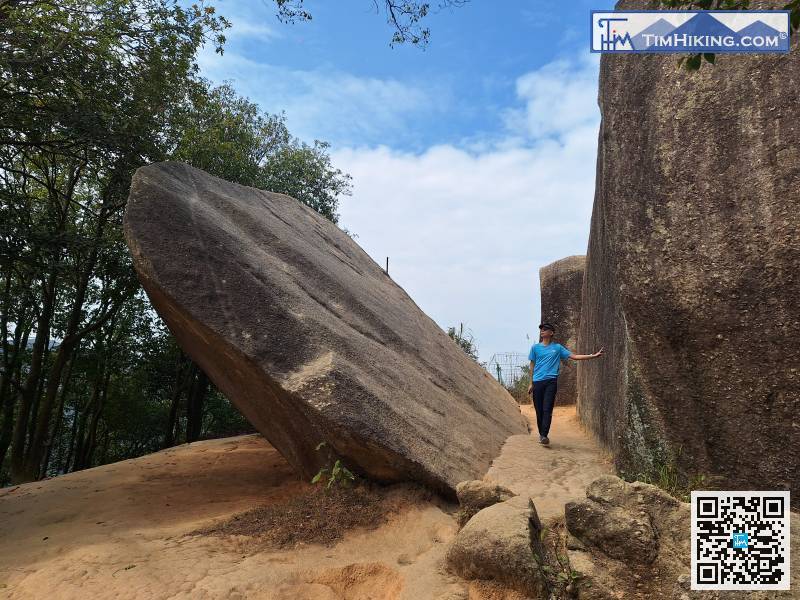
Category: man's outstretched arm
[530,387]
[597,354]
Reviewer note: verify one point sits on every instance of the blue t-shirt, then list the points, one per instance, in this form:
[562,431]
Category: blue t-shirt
[547,360]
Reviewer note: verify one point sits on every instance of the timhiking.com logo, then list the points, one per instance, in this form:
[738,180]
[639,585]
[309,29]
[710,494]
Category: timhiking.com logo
[690,31]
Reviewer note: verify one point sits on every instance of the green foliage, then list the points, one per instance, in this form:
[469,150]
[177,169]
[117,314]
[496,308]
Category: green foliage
[91,91]
[519,386]
[228,136]
[336,474]
[694,61]
[666,475]
[465,340]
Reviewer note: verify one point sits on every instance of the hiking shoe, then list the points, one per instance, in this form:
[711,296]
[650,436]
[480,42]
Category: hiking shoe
[544,440]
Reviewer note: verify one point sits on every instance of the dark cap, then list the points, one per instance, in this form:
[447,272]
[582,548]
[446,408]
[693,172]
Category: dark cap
[547,326]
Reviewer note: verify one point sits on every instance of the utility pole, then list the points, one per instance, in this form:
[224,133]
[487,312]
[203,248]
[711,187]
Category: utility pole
[387,265]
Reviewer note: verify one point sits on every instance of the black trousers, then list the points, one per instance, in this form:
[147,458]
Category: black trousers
[544,398]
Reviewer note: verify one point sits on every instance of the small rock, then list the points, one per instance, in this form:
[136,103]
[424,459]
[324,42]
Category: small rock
[612,530]
[574,543]
[502,543]
[480,494]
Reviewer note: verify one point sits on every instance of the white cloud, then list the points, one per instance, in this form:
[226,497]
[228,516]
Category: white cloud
[248,23]
[324,104]
[467,231]
[242,27]
[556,98]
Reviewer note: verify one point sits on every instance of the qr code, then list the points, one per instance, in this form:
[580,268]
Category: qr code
[740,540]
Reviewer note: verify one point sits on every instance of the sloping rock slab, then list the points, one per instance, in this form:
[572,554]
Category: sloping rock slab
[308,336]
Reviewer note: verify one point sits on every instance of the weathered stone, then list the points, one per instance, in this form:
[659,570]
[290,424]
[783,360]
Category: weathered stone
[636,537]
[612,530]
[476,495]
[615,574]
[502,543]
[561,285]
[693,267]
[573,543]
[479,494]
[631,521]
[308,336]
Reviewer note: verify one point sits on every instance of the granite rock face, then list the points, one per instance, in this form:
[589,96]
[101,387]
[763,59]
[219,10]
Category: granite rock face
[308,336]
[561,285]
[693,267]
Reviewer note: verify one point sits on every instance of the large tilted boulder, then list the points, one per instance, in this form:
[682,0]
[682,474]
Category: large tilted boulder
[502,543]
[308,336]
[561,285]
[693,268]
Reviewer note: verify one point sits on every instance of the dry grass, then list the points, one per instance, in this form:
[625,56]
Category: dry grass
[322,516]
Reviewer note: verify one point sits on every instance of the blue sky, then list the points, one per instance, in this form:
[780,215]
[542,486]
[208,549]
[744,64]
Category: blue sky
[472,161]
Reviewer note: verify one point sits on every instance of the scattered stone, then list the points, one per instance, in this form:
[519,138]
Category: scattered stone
[480,494]
[561,285]
[476,495]
[612,530]
[308,336]
[634,534]
[574,543]
[502,543]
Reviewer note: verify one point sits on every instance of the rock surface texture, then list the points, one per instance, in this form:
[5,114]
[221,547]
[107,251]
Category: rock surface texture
[475,495]
[693,268]
[561,285]
[308,336]
[632,540]
[502,543]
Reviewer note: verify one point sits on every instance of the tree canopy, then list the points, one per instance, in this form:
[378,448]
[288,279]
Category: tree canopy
[405,18]
[89,92]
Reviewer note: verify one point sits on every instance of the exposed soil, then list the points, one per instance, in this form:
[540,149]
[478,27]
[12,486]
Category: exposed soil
[321,516]
[230,519]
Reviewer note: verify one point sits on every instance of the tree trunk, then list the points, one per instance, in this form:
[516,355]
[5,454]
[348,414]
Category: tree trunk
[72,441]
[92,442]
[82,437]
[59,416]
[194,405]
[172,420]
[9,403]
[31,384]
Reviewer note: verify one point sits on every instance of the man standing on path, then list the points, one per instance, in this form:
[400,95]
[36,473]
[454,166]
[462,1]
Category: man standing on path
[546,357]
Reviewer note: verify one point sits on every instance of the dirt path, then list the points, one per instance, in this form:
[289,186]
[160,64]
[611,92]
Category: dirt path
[554,474]
[120,531]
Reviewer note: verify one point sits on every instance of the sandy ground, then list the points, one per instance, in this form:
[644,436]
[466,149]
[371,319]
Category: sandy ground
[121,530]
[551,475]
